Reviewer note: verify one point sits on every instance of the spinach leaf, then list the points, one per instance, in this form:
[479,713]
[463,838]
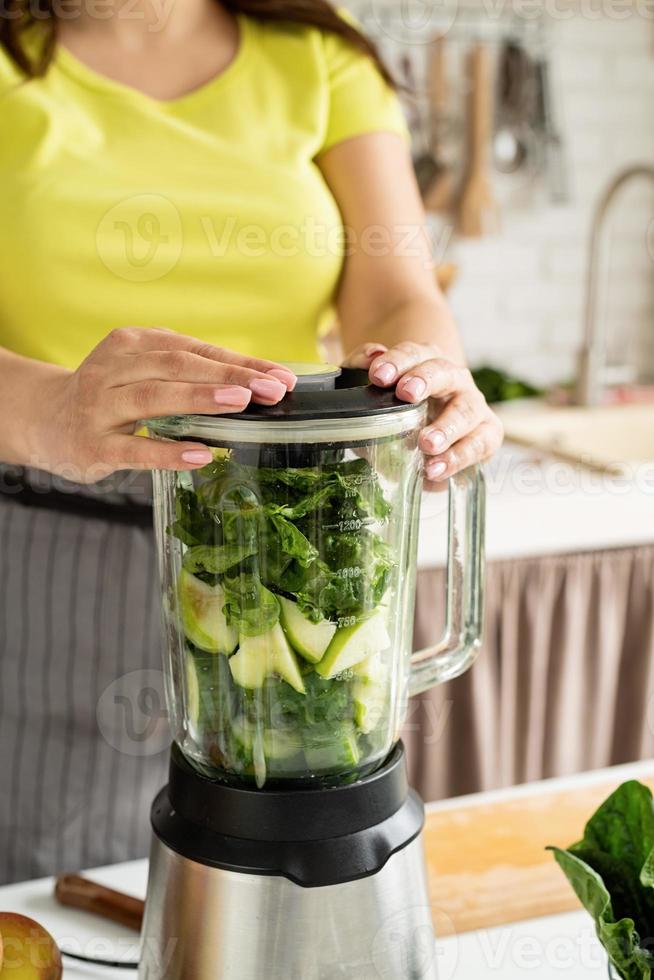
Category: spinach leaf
[303,532]
[193,523]
[217,559]
[249,606]
[612,872]
[292,542]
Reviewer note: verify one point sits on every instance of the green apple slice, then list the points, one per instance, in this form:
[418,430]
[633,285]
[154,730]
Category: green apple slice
[370,692]
[203,619]
[352,644]
[309,639]
[336,754]
[260,656]
[192,691]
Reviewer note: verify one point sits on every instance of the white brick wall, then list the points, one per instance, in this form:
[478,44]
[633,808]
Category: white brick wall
[520,296]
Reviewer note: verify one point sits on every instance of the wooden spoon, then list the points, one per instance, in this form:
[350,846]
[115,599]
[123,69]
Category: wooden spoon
[437,194]
[478,213]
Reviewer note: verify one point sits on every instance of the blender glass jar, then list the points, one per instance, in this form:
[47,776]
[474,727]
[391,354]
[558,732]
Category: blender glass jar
[288,568]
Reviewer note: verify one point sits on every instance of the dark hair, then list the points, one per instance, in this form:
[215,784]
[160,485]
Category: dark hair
[20,17]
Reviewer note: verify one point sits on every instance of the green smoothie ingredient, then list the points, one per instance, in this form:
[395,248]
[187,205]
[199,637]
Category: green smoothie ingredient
[281,602]
[612,873]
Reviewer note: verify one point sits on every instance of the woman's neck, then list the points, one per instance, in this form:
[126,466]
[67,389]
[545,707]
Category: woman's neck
[132,23]
[164,48]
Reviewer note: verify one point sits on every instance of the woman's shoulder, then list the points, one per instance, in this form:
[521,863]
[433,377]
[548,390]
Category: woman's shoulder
[297,48]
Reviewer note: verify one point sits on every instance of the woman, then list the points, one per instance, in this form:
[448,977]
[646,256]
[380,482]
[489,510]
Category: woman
[173,179]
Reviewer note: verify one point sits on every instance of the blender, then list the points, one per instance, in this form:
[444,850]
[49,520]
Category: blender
[287,843]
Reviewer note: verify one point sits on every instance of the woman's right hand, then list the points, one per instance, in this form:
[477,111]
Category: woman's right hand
[87,418]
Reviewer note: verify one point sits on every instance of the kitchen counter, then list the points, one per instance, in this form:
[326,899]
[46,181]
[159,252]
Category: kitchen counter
[537,505]
[487,870]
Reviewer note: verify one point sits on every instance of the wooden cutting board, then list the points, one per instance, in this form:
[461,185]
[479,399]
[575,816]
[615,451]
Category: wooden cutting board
[487,864]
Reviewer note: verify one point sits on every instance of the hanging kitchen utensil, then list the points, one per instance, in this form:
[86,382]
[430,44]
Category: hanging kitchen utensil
[425,166]
[510,147]
[553,148]
[478,214]
[437,194]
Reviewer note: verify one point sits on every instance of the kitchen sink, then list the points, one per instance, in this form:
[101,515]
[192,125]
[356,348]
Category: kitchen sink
[614,438]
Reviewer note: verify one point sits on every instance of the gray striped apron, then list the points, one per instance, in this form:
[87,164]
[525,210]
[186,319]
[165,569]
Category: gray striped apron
[83,733]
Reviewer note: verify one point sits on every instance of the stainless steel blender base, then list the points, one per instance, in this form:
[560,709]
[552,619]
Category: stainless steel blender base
[204,923]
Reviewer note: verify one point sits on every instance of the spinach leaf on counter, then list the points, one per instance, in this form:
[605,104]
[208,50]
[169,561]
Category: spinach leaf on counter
[612,872]
[499,386]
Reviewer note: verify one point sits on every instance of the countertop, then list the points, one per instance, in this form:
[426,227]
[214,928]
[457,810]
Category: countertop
[537,505]
[501,871]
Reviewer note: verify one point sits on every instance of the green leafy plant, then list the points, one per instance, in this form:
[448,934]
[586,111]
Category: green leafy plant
[612,873]
[499,386]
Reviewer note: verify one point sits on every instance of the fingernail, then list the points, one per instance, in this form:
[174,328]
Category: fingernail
[270,390]
[436,440]
[197,457]
[385,373]
[370,349]
[415,388]
[287,378]
[434,470]
[232,396]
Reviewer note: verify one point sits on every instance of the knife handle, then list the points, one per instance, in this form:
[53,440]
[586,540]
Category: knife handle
[81,893]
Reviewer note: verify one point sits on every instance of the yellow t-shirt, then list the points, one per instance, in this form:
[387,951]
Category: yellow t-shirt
[206,215]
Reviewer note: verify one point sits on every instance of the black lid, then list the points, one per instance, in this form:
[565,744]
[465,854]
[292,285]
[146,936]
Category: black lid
[328,393]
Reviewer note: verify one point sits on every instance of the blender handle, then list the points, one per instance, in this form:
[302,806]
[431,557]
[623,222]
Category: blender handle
[459,645]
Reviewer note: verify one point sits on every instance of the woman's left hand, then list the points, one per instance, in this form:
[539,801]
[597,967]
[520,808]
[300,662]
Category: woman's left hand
[463,430]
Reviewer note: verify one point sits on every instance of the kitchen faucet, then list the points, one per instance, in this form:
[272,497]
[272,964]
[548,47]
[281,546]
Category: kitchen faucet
[593,352]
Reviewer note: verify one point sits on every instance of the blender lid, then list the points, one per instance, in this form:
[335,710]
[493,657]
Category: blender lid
[325,392]
[329,405]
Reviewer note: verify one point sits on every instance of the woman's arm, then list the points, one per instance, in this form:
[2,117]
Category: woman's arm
[81,424]
[394,319]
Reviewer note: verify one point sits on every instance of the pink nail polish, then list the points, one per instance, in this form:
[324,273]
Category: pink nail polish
[434,470]
[232,396]
[415,388]
[436,440]
[287,378]
[385,373]
[271,390]
[197,457]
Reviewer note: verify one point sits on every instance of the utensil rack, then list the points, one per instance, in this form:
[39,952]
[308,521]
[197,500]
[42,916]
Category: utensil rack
[416,22]
[405,32]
